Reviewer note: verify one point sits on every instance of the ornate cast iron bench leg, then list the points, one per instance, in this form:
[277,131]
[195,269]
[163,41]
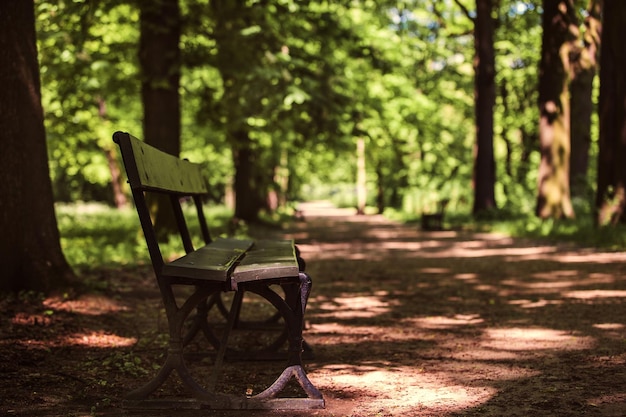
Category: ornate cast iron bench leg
[292,308]
[176,317]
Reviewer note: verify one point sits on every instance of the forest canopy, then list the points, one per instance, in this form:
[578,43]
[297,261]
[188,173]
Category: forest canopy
[298,84]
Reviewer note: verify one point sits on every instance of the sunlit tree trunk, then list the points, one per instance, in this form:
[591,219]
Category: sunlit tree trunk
[361,176]
[484,97]
[560,30]
[159,57]
[117,179]
[30,250]
[583,72]
[611,192]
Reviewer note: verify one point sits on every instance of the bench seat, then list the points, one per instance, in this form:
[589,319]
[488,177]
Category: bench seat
[214,261]
[267,259]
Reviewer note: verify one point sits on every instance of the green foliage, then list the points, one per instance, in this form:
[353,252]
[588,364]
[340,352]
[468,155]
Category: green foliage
[94,235]
[582,232]
[302,80]
[87,59]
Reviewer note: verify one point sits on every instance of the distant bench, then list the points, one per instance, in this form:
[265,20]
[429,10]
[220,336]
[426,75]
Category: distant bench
[221,265]
[434,220]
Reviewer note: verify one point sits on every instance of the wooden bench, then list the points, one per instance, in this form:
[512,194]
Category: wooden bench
[221,265]
[434,220]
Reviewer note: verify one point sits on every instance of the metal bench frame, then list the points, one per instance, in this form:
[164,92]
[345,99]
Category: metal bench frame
[219,266]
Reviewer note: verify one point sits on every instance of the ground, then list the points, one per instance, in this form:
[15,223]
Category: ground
[402,322]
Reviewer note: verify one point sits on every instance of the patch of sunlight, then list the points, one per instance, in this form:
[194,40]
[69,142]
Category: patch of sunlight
[554,279]
[590,256]
[535,303]
[509,253]
[595,294]
[443,322]
[89,304]
[399,390]
[609,326]
[434,270]
[469,276]
[98,339]
[338,333]
[355,306]
[94,339]
[532,339]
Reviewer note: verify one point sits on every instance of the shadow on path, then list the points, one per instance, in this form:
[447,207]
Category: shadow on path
[415,323]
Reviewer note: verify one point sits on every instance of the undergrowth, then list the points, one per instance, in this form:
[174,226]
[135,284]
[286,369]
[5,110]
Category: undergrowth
[581,231]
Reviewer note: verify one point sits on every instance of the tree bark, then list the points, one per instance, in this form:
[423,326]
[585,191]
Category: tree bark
[560,30]
[235,58]
[611,192]
[484,97]
[160,61]
[30,250]
[248,198]
[584,67]
[361,176]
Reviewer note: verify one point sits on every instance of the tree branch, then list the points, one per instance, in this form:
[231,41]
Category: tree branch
[464,9]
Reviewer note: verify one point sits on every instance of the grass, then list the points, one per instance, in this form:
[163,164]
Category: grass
[580,231]
[95,235]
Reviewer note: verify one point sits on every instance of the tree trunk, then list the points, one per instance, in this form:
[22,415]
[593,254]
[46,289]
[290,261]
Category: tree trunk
[119,196]
[248,200]
[584,64]
[560,30]
[361,176]
[235,58]
[484,97]
[30,250]
[160,60]
[611,193]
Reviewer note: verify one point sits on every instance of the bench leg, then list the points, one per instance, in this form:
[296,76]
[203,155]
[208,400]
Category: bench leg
[176,317]
[292,308]
[200,322]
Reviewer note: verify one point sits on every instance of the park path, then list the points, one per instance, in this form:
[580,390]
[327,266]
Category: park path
[412,323]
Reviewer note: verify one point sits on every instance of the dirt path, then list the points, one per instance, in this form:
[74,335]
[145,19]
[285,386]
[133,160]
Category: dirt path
[403,323]
[409,323]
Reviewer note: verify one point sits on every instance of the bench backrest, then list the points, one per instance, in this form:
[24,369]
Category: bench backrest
[151,170]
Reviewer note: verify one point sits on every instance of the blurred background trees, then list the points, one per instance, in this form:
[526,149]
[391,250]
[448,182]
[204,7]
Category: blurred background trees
[275,95]
[490,105]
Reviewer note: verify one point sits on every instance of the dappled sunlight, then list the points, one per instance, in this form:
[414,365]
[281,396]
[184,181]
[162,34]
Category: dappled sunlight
[535,303]
[89,304]
[99,339]
[50,331]
[443,322]
[340,333]
[401,389]
[595,294]
[346,307]
[554,282]
[509,253]
[532,339]
[91,339]
[481,318]
[590,256]
[609,326]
